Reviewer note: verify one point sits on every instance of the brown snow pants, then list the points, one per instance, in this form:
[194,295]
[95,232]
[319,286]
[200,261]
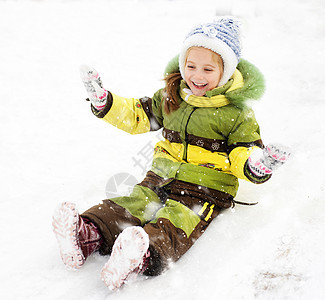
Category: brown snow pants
[173,213]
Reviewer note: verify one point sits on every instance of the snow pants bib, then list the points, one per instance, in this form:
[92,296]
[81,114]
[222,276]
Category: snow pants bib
[173,213]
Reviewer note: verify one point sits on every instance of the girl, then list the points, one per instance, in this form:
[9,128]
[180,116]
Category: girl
[211,140]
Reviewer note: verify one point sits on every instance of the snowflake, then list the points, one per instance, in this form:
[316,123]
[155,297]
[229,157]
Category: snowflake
[215,146]
[200,143]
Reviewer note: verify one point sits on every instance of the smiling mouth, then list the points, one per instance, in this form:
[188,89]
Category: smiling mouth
[199,85]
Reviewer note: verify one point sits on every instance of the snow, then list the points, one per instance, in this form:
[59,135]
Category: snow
[53,149]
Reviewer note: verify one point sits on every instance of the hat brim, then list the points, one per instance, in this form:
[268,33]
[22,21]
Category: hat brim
[229,58]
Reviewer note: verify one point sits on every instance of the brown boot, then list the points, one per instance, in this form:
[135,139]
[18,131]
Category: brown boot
[77,237]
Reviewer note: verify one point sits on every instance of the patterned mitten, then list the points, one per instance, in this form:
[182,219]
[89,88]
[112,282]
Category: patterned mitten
[94,86]
[264,162]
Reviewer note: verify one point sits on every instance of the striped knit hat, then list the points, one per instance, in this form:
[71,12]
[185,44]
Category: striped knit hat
[222,37]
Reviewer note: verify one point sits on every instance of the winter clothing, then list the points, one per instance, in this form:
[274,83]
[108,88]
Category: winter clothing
[89,237]
[174,214]
[195,170]
[94,87]
[77,237]
[263,162]
[219,137]
[128,258]
[222,37]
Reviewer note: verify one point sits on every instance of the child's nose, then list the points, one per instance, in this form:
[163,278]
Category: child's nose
[198,75]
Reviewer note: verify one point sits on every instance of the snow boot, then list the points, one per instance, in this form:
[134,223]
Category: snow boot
[77,237]
[130,257]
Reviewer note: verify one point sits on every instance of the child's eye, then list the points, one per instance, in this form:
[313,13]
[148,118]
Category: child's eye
[208,70]
[190,67]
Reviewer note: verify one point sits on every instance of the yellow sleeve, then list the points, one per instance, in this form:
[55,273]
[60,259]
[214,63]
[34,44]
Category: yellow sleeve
[238,165]
[128,115]
[238,157]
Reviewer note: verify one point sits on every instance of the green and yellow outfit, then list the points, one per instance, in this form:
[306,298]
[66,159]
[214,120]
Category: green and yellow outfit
[195,170]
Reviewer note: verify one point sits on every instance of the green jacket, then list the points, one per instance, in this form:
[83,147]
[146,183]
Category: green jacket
[208,139]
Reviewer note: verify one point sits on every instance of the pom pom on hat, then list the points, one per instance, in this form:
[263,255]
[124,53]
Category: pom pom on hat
[222,37]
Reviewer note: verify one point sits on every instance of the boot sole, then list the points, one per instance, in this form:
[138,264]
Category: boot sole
[127,255]
[65,227]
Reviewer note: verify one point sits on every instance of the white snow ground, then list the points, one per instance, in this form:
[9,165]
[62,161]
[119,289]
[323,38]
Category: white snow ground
[53,149]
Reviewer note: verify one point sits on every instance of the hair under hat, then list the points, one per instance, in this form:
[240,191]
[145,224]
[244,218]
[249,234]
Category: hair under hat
[222,37]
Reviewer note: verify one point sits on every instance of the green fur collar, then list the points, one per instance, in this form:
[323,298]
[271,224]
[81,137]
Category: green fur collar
[253,88]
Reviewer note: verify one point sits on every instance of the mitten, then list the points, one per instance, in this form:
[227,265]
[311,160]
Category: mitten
[94,87]
[264,162]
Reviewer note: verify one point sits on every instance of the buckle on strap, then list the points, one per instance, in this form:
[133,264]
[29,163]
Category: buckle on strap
[206,211]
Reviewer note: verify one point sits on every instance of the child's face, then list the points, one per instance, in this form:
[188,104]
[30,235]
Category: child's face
[202,72]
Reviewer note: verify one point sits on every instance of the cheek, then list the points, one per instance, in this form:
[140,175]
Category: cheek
[187,76]
[214,80]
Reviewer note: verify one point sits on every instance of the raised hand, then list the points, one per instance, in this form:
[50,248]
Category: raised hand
[94,86]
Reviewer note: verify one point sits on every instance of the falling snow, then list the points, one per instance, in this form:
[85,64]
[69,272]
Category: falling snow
[53,149]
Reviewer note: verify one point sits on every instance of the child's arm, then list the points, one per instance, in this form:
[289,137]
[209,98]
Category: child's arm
[128,114]
[248,160]
[243,139]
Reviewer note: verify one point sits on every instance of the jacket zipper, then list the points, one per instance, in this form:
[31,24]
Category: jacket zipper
[186,135]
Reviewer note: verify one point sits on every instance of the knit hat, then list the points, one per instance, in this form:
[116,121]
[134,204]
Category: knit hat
[222,37]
